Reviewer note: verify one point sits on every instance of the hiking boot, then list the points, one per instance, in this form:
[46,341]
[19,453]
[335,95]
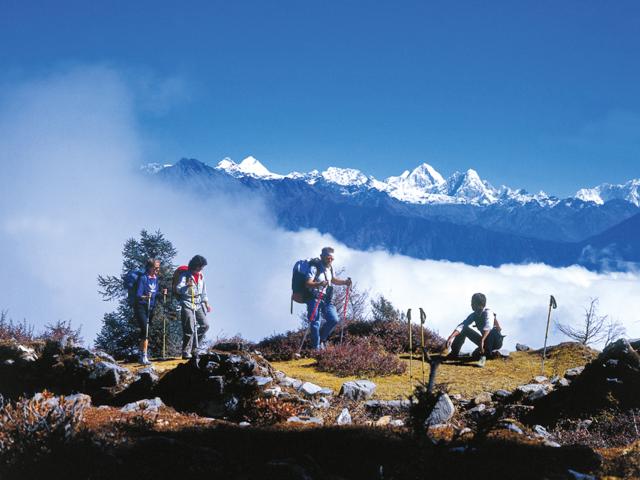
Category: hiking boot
[144,360]
[482,361]
[323,346]
[186,356]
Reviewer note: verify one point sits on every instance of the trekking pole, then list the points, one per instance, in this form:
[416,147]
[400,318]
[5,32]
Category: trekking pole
[344,313]
[554,305]
[164,324]
[423,318]
[313,316]
[410,350]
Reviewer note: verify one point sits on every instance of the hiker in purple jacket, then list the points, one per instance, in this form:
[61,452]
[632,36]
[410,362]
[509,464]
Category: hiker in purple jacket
[145,301]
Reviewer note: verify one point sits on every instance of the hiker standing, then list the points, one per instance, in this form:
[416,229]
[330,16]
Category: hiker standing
[192,295]
[488,340]
[145,301]
[319,283]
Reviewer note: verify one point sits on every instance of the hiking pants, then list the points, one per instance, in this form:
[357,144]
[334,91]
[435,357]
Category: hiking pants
[490,343]
[143,317]
[325,311]
[188,316]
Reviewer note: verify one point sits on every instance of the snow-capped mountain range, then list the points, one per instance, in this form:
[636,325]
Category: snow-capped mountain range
[421,214]
[425,185]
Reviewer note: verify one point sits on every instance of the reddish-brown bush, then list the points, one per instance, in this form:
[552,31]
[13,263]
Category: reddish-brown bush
[393,335]
[359,356]
[282,346]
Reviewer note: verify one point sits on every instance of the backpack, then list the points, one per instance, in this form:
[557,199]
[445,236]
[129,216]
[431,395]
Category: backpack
[131,280]
[176,277]
[299,292]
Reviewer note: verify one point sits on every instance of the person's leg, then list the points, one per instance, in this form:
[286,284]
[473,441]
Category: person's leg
[314,326]
[330,315]
[458,341]
[203,325]
[187,317]
[142,319]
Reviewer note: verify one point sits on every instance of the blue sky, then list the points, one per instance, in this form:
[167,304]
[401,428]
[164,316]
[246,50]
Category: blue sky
[540,95]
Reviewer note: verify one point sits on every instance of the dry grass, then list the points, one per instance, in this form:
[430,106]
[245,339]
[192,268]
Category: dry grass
[465,379]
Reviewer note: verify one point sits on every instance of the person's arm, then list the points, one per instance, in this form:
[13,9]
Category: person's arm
[337,281]
[496,325]
[311,283]
[485,334]
[142,287]
[459,328]
[204,297]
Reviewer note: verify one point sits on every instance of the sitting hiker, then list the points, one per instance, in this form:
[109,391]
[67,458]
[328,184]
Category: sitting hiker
[488,340]
[192,295]
[320,294]
[145,301]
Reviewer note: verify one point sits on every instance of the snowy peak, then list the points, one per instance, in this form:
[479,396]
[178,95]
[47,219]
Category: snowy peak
[629,192]
[345,176]
[469,186]
[249,166]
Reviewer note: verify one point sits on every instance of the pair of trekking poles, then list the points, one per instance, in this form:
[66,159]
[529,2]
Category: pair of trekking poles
[315,311]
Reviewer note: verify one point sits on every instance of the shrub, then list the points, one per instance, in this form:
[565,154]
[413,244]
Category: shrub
[282,346]
[393,335]
[36,426]
[359,356]
[269,411]
[237,342]
[21,332]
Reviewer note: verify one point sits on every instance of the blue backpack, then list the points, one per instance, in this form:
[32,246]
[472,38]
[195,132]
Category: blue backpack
[131,280]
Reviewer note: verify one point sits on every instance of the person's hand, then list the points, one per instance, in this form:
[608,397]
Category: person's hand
[164,291]
[349,282]
[208,308]
[323,284]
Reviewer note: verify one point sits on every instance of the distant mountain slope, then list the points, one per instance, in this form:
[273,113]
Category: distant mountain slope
[488,228]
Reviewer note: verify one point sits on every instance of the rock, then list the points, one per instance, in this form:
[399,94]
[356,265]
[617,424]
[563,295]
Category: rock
[396,423]
[322,402]
[217,384]
[258,380]
[540,379]
[326,391]
[579,476]
[563,382]
[572,373]
[623,351]
[520,347]
[305,420]
[105,356]
[279,376]
[540,431]
[478,409]
[533,391]
[484,397]
[501,394]
[442,411]
[148,375]
[244,424]
[144,406]
[273,391]
[78,400]
[358,389]
[291,382]
[108,374]
[549,443]
[395,405]
[514,428]
[309,389]
[27,354]
[344,418]
[584,424]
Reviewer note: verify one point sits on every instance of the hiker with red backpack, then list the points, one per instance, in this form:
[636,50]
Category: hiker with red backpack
[146,288]
[191,292]
[318,295]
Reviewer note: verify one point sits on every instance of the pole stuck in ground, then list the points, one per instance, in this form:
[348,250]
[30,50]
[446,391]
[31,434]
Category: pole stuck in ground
[344,313]
[552,305]
[423,319]
[410,350]
[164,324]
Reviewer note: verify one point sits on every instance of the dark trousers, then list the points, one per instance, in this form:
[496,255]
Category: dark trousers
[491,343]
[144,317]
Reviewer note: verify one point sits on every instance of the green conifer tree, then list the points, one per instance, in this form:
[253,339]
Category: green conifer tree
[120,335]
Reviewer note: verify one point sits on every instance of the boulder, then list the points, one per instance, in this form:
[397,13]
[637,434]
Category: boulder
[442,411]
[143,406]
[501,394]
[484,397]
[358,389]
[572,373]
[309,389]
[533,391]
[107,374]
[344,418]
[305,420]
[540,379]
[291,382]
[520,347]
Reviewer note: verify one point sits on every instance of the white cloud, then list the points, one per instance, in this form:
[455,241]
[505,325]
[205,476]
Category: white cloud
[68,145]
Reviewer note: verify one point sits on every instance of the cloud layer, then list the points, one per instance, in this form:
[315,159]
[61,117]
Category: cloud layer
[69,147]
